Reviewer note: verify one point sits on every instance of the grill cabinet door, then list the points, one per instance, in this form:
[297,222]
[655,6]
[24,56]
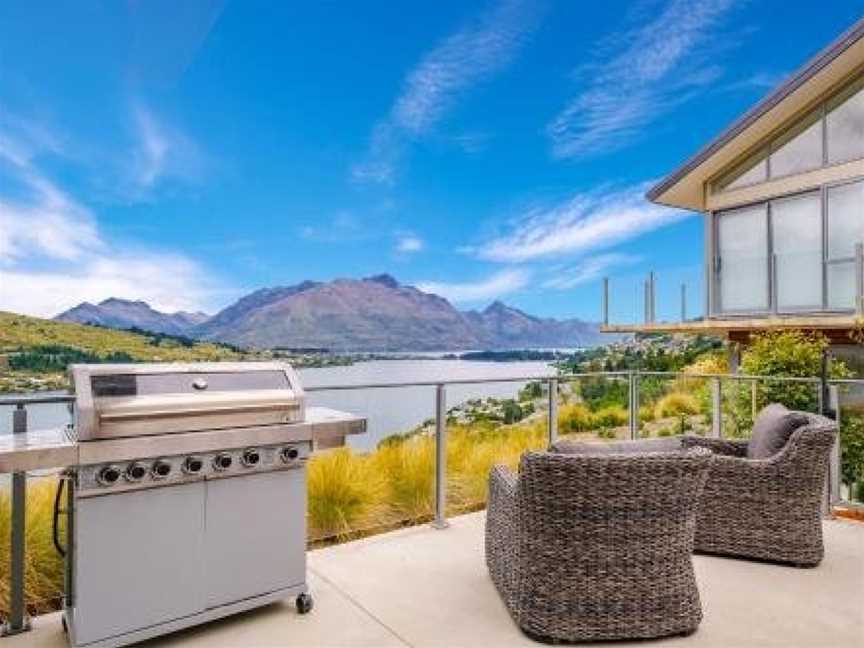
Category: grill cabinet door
[138,559]
[255,538]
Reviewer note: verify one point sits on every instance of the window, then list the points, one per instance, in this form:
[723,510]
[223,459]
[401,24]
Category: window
[799,149]
[845,124]
[845,206]
[830,134]
[796,229]
[743,259]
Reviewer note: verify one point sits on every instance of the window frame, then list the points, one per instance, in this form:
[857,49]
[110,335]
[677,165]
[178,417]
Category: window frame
[713,289]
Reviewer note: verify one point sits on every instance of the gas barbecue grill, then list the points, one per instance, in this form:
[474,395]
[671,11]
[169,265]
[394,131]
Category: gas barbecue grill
[188,501]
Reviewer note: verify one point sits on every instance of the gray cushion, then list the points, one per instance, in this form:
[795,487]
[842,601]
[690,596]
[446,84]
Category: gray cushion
[665,444]
[772,429]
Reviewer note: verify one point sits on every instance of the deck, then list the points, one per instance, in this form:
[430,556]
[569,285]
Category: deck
[429,588]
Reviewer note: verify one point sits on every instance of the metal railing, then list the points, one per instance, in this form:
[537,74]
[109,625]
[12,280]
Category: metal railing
[18,620]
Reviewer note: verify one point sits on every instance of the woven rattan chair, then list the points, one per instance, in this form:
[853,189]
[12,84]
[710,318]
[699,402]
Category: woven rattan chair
[768,509]
[589,547]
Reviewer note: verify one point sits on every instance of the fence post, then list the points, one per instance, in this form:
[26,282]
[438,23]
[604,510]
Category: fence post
[832,486]
[553,410]
[440,521]
[18,621]
[633,392]
[754,398]
[716,408]
[859,279]
[652,308]
[605,303]
[683,302]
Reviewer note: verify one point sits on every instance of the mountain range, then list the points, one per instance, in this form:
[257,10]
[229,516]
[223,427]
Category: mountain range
[372,314]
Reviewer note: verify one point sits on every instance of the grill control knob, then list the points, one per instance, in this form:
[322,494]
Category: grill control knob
[161,469]
[290,454]
[108,475]
[193,465]
[136,471]
[251,457]
[222,461]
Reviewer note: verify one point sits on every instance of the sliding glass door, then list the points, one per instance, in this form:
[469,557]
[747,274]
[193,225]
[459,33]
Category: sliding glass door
[742,261]
[796,233]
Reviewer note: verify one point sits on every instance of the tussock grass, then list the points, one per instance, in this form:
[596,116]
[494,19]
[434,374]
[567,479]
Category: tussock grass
[43,571]
[676,404]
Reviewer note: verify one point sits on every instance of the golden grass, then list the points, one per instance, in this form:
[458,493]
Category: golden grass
[43,571]
[676,404]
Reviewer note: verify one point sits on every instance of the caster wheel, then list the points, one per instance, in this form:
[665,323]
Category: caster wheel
[304,603]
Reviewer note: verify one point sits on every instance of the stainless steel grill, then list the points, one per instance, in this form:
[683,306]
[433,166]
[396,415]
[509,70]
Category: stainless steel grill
[188,501]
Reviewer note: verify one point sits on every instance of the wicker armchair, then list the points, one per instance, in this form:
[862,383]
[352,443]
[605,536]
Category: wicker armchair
[589,547]
[768,509]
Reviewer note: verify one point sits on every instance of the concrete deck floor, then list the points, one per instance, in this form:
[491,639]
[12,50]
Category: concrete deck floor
[429,588]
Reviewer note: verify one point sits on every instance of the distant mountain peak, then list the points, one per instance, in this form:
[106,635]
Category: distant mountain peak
[115,312]
[384,279]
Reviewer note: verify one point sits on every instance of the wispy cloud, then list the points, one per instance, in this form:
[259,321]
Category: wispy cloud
[409,244]
[587,270]
[162,151]
[501,283]
[578,225]
[471,55]
[651,68]
[53,254]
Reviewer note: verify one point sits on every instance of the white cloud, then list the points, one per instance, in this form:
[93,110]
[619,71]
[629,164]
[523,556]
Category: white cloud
[580,224]
[467,57]
[409,244]
[53,255]
[653,67]
[162,151]
[588,270]
[499,284]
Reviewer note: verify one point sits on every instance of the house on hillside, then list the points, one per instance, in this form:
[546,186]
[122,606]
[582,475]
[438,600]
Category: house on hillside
[782,193]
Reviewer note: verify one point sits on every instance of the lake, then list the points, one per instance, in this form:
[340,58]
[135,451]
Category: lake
[389,411]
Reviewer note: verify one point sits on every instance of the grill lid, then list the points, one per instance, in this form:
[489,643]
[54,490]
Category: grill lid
[144,399]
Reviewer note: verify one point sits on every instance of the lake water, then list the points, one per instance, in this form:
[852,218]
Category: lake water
[389,411]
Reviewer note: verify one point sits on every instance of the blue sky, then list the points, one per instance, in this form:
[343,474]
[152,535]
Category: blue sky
[187,153]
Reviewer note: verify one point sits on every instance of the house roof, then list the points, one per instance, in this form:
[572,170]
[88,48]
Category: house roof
[684,186]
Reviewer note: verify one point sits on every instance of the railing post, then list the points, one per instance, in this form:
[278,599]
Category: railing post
[440,521]
[832,486]
[605,302]
[18,621]
[754,399]
[859,279]
[653,303]
[716,408]
[633,392]
[553,410]
[646,289]
[683,302]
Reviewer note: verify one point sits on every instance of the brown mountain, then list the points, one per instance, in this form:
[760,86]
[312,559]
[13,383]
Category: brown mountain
[126,314]
[372,314]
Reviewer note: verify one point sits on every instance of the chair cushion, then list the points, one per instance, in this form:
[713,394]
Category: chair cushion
[772,429]
[665,444]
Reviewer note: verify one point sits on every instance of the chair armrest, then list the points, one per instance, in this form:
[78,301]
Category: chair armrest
[726,447]
[502,484]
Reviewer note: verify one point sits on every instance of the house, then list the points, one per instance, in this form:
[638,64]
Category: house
[782,193]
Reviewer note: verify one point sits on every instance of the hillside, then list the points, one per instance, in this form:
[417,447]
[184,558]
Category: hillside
[34,352]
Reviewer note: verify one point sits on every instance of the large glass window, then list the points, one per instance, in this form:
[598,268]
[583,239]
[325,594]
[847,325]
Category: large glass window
[832,133]
[845,124]
[799,149]
[796,227]
[742,237]
[845,206]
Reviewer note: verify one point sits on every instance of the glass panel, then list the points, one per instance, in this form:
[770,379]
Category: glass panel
[845,219]
[797,229]
[751,171]
[800,149]
[743,244]
[845,229]
[846,125]
[841,285]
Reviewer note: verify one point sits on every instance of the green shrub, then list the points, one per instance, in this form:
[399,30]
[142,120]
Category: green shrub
[609,417]
[676,404]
